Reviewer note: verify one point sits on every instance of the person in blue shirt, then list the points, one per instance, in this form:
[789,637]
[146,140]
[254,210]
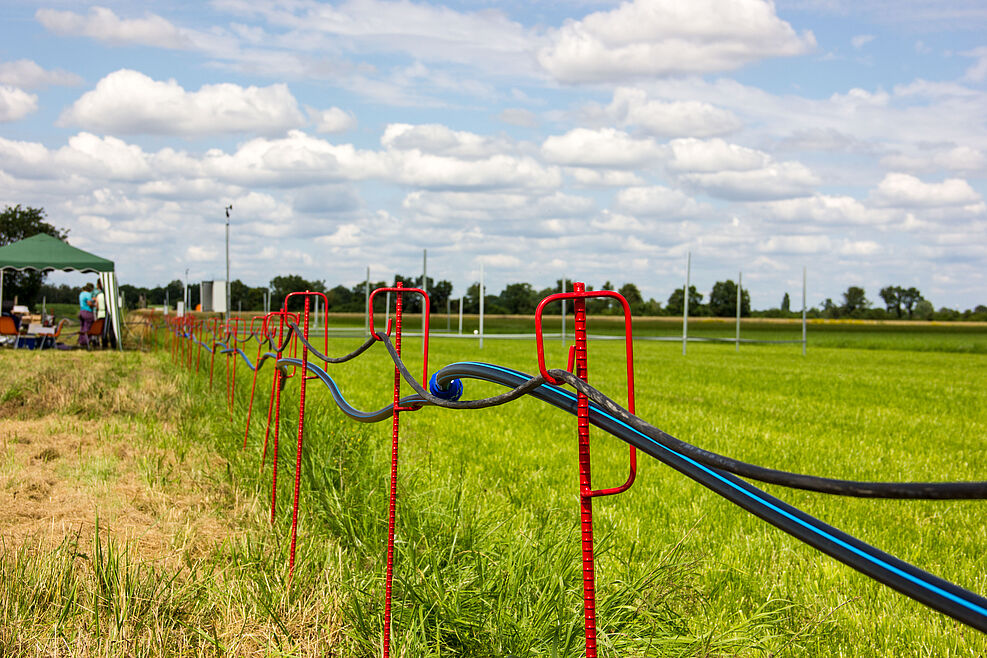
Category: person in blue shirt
[86,304]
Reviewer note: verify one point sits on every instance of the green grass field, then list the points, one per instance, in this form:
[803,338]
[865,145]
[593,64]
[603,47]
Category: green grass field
[487,556]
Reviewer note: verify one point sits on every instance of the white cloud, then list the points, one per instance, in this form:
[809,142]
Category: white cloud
[130,102]
[104,25]
[333,120]
[647,38]
[631,107]
[200,254]
[861,40]
[606,147]
[978,71]
[712,155]
[485,38]
[441,140]
[957,158]
[860,248]
[906,191]
[603,177]
[517,116]
[823,209]
[657,201]
[16,103]
[776,181]
[796,244]
[736,172]
[26,74]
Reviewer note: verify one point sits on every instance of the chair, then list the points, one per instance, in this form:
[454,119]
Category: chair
[50,340]
[96,329]
[8,328]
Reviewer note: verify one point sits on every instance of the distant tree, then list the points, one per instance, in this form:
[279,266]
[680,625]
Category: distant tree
[17,223]
[923,310]
[892,299]
[786,304]
[518,299]
[830,309]
[632,294]
[675,305]
[909,298]
[288,283]
[247,297]
[439,293]
[723,300]
[854,300]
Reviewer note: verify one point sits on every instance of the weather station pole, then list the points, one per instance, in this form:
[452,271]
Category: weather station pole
[685,302]
[228,209]
[803,311]
[481,305]
[740,278]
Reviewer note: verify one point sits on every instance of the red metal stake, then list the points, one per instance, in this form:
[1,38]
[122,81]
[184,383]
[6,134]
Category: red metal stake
[198,349]
[298,450]
[399,290]
[578,366]
[585,486]
[212,359]
[392,502]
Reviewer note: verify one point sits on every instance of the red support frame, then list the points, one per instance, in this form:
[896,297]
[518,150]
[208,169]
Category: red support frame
[578,358]
[275,403]
[399,290]
[307,296]
[253,386]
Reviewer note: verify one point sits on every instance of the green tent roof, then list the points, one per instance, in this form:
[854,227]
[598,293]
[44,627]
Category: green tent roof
[43,252]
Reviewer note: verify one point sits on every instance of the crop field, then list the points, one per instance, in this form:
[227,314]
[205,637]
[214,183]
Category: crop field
[488,549]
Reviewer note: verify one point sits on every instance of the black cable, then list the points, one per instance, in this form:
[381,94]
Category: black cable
[895,490]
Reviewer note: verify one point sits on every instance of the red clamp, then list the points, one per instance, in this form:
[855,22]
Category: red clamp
[582,296]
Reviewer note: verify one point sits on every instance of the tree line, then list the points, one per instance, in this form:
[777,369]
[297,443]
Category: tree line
[522,298]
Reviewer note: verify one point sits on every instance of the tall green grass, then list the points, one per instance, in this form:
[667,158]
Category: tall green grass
[862,414]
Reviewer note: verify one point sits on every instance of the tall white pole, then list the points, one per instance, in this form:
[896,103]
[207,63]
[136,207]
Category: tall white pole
[803,311]
[563,313]
[685,302]
[366,304]
[482,295]
[228,209]
[460,315]
[740,278]
[448,314]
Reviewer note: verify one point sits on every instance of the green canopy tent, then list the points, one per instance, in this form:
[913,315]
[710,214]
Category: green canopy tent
[44,253]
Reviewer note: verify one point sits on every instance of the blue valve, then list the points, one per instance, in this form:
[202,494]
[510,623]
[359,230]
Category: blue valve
[453,392]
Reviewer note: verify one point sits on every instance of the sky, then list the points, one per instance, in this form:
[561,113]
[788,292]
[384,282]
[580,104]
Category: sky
[597,141]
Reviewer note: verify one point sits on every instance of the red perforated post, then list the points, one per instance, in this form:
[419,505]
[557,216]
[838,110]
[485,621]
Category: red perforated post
[212,357]
[399,290]
[578,365]
[301,430]
[197,325]
[190,323]
[585,486]
[392,501]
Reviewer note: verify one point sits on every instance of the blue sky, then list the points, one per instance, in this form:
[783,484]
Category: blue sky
[600,141]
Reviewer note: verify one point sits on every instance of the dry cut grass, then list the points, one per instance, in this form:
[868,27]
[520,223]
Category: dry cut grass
[119,534]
